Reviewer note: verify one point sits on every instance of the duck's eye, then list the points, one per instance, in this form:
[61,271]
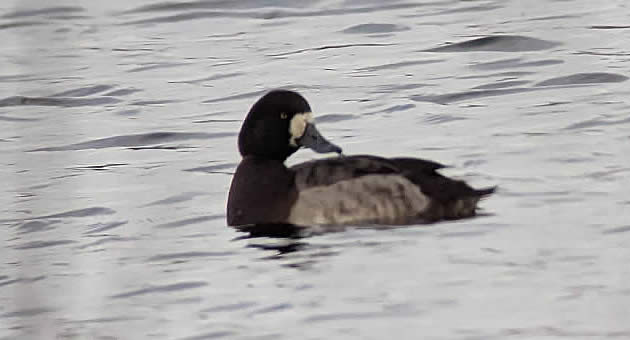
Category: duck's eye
[283,115]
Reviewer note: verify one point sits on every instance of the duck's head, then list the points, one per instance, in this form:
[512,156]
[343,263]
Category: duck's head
[279,124]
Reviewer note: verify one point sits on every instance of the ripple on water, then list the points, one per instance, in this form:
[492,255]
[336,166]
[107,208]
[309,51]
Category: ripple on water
[101,227]
[609,27]
[21,280]
[43,12]
[154,66]
[510,75]
[102,320]
[597,122]
[479,8]
[242,4]
[335,317]
[121,92]
[584,78]
[99,167]
[392,109]
[35,226]
[196,12]
[17,24]
[106,240]
[43,244]
[465,95]
[489,91]
[328,47]
[514,63]
[189,221]
[183,197]
[27,312]
[205,79]
[271,309]
[399,65]
[161,289]
[229,307]
[56,101]
[210,335]
[237,96]
[501,84]
[152,138]
[214,168]
[333,118]
[624,229]
[87,212]
[17,119]
[374,28]
[498,43]
[188,255]
[69,98]
[84,91]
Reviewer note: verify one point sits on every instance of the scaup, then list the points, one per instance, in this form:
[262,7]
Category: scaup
[358,189]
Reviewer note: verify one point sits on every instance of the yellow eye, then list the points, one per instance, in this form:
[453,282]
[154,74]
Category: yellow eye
[283,115]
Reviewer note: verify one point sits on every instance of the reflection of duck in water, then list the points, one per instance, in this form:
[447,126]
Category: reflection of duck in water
[358,189]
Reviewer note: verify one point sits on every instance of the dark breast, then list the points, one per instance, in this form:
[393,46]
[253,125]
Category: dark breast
[262,191]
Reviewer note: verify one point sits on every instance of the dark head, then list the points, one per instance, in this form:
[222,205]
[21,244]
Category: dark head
[279,124]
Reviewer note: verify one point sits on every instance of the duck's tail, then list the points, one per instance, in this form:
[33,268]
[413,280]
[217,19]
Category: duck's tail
[463,206]
[481,193]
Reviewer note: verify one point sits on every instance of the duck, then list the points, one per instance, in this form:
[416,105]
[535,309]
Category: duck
[339,190]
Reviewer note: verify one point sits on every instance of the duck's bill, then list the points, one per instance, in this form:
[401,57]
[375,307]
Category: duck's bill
[313,140]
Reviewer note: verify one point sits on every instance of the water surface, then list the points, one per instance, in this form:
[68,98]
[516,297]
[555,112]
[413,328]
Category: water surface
[118,144]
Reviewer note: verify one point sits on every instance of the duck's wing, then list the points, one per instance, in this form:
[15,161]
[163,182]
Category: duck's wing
[364,188]
[450,198]
[328,171]
[424,174]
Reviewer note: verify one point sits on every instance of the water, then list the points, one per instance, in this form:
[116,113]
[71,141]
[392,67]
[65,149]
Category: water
[119,121]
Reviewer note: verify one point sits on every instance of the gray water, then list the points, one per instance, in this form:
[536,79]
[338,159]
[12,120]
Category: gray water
[118,141]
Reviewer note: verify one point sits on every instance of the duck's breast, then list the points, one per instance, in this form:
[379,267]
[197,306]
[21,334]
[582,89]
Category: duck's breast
[381,199]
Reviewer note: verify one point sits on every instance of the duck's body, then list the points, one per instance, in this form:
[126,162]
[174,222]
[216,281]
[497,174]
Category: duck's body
[340,190]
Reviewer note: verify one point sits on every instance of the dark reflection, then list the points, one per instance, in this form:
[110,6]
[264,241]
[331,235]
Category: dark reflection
[287,242]
[273,230]
[281,249]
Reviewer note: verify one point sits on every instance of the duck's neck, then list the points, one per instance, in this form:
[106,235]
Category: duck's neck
[262,191]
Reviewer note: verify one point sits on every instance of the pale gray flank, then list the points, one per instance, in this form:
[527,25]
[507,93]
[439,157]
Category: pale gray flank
[382,199]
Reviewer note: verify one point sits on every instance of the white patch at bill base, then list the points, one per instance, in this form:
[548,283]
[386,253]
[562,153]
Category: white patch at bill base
[297,126]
